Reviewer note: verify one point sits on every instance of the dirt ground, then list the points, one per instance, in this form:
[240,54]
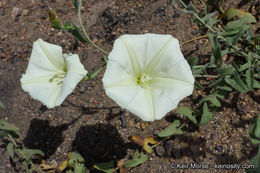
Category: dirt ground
[88,121]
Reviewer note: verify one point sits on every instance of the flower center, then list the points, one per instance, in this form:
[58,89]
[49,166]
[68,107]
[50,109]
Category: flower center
[58,78]
[143,79]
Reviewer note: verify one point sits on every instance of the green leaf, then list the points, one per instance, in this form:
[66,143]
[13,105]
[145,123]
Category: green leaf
[54,19]
[249,79]
[216,82]
[194,60]
[235,85]
[25,165]
[73,30]
[75,3]
[198,85]
[213,98]
[256,162]
[105,167]
[138,159]
[227,51]
[216,49]
[191,7]
[206,116]
[231,13]
[234,30]
[10,149]
[256,84]
[239,81]
[244,67]
[255,131]
[75,158]
[210,20]
[187,111]
[30,152]
[4,125]
[225,70]
[2,105]
[225,88]
[171,130]
[79,168]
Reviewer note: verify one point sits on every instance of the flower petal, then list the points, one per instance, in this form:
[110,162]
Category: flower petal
[118,84]
[172,64]
[167,93]
[142,104]
[41,89]
[116,76]
[75,73]
[52,52]
[123,54]
[146,46]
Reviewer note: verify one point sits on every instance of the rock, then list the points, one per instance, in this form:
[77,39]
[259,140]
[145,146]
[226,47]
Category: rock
[82,87]
[159,150]
[15,12]
[197,159]
[84,55]
[219,148]
[156,132]
[176,153]
[240,110]
[168,146]
[25,12]
[195,148]
[123,120]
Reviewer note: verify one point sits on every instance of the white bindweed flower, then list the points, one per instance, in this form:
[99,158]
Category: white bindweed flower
[51,76]
[147,75]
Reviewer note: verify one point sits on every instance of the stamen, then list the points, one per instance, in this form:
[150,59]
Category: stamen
[58,78]
[143,79]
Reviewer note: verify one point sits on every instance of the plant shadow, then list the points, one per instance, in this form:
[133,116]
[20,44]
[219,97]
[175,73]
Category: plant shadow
[41,135]
[45,137]
[99,143]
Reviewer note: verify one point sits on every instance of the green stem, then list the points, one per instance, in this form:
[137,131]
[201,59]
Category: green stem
[88,77]
[85,33]
[12,140]
[213,76]
[161,141]
[200,66]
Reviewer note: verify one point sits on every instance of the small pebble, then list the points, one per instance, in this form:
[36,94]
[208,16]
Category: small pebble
[15,12]
[85,55]
[219,148]
[197,159]
[168,146]
[176,153]
[195,149]
[123,120]
[156,132]
[159,150]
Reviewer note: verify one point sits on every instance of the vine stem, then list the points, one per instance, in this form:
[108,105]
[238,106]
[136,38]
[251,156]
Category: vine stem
[87,77]
[12,140]
[194,39]
[213,76]
[84,31]
[209,66]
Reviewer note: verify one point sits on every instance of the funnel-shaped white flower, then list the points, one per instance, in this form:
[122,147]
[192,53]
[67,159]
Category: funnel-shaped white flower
[51,76]
[147,75]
